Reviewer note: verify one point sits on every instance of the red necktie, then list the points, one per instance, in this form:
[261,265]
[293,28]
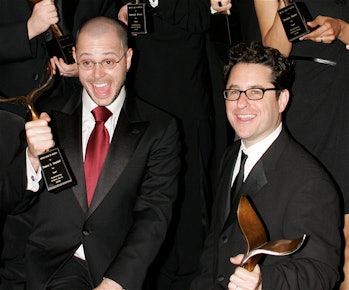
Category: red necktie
[96,150]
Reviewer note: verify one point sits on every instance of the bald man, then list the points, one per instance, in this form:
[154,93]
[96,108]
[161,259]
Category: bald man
[107,241]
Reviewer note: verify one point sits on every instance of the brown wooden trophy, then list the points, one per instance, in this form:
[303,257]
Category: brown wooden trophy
[256,238]
[60,45]
[54,169]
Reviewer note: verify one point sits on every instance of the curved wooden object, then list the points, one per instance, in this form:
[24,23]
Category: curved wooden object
[256,239]
[30,99]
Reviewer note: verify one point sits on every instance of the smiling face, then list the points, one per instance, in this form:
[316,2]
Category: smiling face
[253,120]
[95,45]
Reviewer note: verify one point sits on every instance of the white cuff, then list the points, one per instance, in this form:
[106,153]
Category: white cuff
[33,177]
[154,3]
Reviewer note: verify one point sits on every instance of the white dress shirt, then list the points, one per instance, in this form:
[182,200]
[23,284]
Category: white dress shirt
[254,153]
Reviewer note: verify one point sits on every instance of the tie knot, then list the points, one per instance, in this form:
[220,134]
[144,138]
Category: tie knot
[101,114]
[243,158]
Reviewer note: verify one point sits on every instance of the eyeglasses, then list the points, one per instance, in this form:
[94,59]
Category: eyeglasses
[107,63]
[251,94]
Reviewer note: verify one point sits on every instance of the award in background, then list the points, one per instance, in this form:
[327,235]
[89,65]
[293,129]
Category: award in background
[54,169]
[137,18]
[60,45]
[294,18]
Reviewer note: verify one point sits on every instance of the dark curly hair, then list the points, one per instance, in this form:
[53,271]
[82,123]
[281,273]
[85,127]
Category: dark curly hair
[254,52]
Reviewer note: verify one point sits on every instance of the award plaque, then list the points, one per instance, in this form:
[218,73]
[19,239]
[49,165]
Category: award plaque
[137,18]
[294,18]
[54,169]
[60,45]
[55,172]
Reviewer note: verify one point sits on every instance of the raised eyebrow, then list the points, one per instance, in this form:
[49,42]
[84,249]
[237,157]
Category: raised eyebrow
[89,55]
[233,87]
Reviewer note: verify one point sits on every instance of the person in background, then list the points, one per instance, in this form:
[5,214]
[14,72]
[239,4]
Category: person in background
[318,113]
[289,189]
[110,230]
[171,72]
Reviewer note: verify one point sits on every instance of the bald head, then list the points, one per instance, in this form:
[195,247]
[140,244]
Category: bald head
[103,59]
[99,26]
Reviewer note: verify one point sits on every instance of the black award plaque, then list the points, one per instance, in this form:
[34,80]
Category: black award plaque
[294,18]
[137,19]
[61,46]
[54,170]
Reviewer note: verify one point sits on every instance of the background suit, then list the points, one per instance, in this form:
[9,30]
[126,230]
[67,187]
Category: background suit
[172,58]
[290,192]
[10,145]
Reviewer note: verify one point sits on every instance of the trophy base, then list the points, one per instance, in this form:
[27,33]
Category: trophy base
[62,48]
[294,18]
[54,170]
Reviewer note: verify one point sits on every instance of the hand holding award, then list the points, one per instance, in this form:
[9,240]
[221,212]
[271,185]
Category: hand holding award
[60,45]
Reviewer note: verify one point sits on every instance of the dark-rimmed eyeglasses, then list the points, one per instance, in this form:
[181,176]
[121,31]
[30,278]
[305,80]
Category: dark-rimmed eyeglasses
[108,63]
[251,94]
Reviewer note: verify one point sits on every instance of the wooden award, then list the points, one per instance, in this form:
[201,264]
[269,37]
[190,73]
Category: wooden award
[256,238]
[54,169]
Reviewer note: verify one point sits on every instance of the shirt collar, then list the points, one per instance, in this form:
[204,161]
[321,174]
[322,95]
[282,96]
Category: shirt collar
[115,107]
[256,151]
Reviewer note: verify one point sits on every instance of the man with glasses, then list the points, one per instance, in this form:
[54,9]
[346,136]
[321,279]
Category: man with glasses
[104,231]
[290,191]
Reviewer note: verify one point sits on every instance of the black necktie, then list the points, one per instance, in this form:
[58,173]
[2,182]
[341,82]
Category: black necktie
[235,190]
[239,180]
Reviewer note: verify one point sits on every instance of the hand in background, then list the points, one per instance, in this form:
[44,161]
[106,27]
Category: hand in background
[44,14]
[328,29]
[221,5]
[66,70]
[122,15]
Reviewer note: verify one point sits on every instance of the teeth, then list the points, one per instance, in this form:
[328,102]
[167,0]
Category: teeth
[100,85]
[245,117]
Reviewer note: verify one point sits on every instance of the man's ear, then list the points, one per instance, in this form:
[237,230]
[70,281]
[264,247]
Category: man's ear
[74,54]
[283,100]
[129,54]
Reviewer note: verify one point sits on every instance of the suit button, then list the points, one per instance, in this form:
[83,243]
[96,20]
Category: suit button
[220,278]
[225,239]
[35,77]
[85,233]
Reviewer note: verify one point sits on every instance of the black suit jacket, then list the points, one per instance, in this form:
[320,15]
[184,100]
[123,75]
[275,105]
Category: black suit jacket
[11,145]
[126,223]
[293,196]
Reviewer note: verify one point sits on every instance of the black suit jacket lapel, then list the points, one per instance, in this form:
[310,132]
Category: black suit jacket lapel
[258,176]
[68,126]
[225,184]
[128,132]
